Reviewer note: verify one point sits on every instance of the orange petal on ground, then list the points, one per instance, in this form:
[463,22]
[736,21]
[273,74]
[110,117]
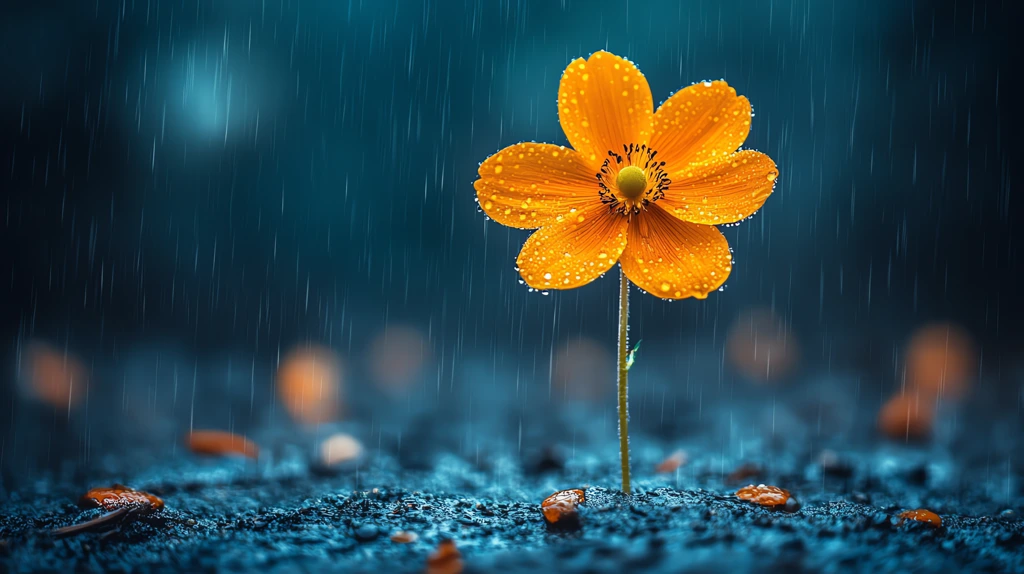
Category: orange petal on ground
[527,185]
[700,123]
[726,191]
[119,496]
[221,443]
[603,104]
[562,505]
[763,494]
[574,251]
[445,560]
[674,259]
[921,515]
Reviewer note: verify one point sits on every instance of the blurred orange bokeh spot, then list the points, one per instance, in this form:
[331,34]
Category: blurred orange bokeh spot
[221,443]
[397,356]
[309,384]
[906,417]
[583,370]
[760,346]
[941,360]
[672,463]
[53,377]
[940,363]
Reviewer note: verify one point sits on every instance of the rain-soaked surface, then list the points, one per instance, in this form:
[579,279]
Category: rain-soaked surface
[244,271]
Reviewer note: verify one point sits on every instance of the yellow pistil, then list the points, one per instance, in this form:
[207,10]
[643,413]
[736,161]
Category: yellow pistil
[632,182]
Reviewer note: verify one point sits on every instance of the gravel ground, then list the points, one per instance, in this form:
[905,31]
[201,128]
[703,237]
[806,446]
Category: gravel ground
[284,514]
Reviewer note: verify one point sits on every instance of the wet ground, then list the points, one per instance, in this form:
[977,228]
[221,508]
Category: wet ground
[282,513]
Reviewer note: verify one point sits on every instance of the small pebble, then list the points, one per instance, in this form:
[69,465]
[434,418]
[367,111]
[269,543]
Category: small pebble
[1010,539]
[832,465]
[918,475]
[881,521]
[404,537]
[860,498]
[550,459]
[794,545]
[366,533]
[339,449]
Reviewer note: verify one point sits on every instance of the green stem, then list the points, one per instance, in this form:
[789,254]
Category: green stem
[623,383]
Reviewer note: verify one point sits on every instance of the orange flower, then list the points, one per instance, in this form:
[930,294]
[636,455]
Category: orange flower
[641,187]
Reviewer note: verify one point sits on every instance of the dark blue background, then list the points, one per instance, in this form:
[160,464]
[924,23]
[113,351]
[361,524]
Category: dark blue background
[229,179]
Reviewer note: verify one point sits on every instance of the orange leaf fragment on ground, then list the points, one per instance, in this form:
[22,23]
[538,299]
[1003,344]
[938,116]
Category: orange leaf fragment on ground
[561,506]
[672,463]
[220,443]
[764,495]
[445,560]
[921,515]
[119,496]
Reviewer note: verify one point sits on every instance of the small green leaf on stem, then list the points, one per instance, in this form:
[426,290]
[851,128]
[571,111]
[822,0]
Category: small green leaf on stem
[632,355]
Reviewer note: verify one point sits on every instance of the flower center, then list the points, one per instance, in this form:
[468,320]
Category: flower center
[639,179]
[632,182]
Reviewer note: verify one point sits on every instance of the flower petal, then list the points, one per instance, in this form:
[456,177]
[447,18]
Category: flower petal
[574,251]
[700,123]
[726,191]
[603,104]
[528,185]
[675,259]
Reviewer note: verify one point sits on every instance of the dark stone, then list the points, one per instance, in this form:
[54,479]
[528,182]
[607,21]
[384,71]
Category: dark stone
[550,459]
[918,475]
[793,545]
[881,521]
[838,469]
